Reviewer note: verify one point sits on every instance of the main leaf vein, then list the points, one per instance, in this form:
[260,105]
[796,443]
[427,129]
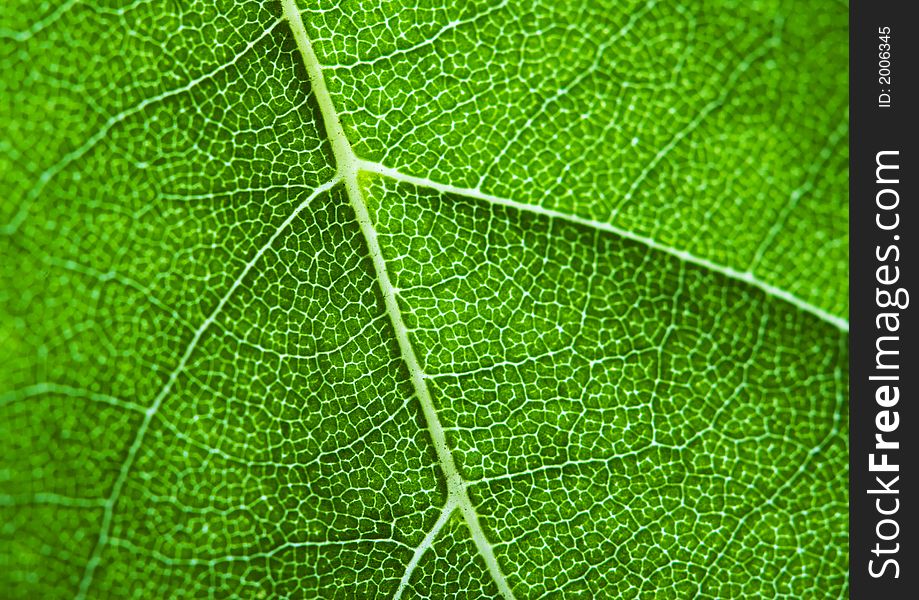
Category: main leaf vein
[347,165]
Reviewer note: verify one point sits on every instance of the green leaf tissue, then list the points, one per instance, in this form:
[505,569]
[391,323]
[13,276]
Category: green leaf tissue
[408,299]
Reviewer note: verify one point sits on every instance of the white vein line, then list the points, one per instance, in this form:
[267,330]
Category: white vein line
[737,73]
[744,276]
[51,499]
[563,88]
[798,193]
[248,558]
[44,22]
[426,543]
[790,481]
[77,153]
[427,41]
[109,505]
[347,164]
[51,388]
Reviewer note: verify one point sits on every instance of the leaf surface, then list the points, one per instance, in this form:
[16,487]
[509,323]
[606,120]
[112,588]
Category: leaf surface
[476,300]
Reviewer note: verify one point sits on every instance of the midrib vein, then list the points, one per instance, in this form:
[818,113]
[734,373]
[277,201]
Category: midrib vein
[347,164]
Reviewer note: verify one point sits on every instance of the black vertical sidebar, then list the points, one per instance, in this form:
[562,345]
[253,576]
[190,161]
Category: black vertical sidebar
[883,57]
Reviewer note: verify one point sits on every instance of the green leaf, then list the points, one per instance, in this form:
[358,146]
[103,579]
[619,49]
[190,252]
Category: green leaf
[458,300]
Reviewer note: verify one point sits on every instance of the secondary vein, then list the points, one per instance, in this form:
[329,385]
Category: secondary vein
[744,276]
[126,466]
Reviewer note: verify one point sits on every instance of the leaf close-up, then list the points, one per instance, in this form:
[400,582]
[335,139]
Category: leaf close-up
[401,299]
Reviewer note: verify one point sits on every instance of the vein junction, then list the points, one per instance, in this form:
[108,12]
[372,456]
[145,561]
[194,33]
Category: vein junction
[745,276]
[348,165]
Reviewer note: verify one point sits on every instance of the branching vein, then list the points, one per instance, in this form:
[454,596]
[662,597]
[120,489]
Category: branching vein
[744,276]
[126,466]
[347,164]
